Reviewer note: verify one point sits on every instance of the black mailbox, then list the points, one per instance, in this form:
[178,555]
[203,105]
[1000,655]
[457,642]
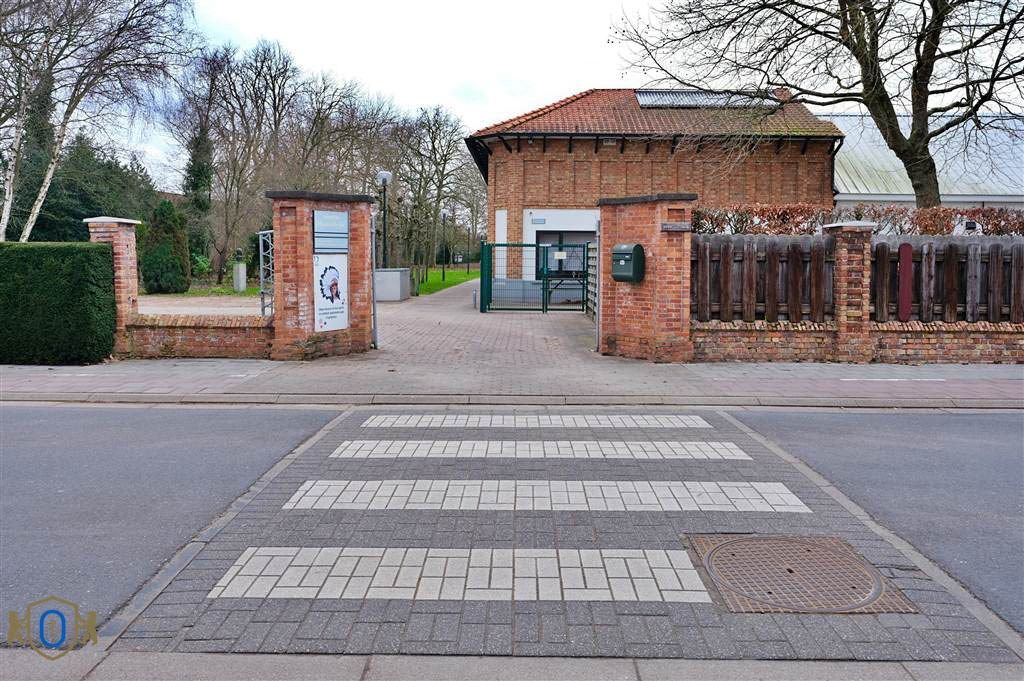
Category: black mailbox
[628,262]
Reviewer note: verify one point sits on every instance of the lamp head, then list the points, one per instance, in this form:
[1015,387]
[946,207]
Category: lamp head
[383,178]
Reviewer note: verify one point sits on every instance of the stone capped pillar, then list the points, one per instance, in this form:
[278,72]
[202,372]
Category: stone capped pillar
[120,234]
[294,287]
[852,290]
[651,319]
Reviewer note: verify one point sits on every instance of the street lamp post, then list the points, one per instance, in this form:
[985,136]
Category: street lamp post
[444,239]
[383,180]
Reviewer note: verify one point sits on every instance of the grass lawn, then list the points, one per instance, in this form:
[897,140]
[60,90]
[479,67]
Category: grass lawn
[458,275]
[222,290]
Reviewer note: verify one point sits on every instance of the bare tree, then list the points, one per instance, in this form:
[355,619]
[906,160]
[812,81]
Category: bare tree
[943,61]
[95,57]
[271,125]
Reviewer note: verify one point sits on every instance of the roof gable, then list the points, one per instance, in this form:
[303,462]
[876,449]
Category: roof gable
[618,112]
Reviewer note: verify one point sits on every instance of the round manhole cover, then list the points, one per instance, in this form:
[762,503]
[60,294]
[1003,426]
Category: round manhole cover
[793,574]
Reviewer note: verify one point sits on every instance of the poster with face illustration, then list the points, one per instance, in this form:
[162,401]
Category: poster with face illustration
[330,291]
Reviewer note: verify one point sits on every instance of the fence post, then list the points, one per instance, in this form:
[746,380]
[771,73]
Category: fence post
[851,291]
[485,275]
[120,234]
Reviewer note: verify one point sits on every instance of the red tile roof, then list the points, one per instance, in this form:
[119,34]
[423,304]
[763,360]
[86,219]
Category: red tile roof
[617,112]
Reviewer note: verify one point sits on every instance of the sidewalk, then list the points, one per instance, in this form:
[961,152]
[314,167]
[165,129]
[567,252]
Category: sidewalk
[439,349]
[92,666]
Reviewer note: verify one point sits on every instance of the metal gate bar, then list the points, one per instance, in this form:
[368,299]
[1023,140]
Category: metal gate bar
[537,277]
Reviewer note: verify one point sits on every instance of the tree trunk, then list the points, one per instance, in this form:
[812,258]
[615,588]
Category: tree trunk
[12,169]
[924,178]
[220,258]
[58,144]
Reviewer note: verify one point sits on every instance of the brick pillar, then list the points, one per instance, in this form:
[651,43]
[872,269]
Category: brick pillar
[294,282]
[649,320]
[120,234]
[852,291]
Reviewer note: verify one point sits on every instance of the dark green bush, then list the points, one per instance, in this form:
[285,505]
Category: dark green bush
[57,301]
[165,258]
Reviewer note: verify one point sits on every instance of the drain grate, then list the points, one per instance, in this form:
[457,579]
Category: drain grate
[795,574]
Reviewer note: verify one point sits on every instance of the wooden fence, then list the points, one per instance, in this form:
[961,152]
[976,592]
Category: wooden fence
[948,279]
[738,277]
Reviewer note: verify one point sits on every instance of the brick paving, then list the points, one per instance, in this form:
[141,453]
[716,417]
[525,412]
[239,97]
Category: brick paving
[408,573]
[441,345]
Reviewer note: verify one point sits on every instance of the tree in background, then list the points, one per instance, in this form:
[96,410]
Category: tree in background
[91,181]
[95,59]
[943,61]
[189,120]
[165,257]
[270,124]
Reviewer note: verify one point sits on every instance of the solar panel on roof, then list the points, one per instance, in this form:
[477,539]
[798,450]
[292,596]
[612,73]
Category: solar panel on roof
[699,99]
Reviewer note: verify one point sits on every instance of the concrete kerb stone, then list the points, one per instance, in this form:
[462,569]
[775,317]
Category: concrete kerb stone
[538,400]
[122,666]
[979,610]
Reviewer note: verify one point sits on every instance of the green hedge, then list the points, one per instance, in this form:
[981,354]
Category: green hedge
[57,301]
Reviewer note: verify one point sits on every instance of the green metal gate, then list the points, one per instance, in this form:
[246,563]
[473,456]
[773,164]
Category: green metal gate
[540,277]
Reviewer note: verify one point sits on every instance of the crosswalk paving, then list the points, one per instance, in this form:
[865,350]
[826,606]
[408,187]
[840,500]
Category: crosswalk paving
[537,449]
[535,421]
[545,495]
[463,574]
[359,571]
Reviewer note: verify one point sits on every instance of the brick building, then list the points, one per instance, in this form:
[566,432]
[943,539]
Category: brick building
[546,169]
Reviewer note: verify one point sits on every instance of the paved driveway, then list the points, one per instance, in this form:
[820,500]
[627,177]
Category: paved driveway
[950,484]
[94,499]
[441,345]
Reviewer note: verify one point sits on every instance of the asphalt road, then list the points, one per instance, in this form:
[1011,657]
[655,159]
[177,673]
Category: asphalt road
[94,499]
[950,484]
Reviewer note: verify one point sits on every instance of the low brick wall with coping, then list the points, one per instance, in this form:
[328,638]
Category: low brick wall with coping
[651,320]
[289,333]
[232,336]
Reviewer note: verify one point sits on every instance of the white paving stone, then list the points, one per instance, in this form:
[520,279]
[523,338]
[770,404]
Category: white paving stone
[543,495]
[465,574]
[537,449]
[535,421]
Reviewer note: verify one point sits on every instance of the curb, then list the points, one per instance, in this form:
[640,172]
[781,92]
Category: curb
[336,399]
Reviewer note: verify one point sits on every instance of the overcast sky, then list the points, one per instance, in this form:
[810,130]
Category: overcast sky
[485,61]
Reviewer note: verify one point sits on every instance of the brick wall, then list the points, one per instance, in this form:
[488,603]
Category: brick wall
[289,334]
[942,342]
[532,176]
[651,320]
[717,341]
[199,336]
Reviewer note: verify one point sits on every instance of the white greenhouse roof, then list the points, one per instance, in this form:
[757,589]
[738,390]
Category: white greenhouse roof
[989,167]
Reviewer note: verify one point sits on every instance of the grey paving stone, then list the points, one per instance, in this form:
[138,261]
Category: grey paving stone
[446,628]
[184,614]
[499,639]
[313,625]
[252,636]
